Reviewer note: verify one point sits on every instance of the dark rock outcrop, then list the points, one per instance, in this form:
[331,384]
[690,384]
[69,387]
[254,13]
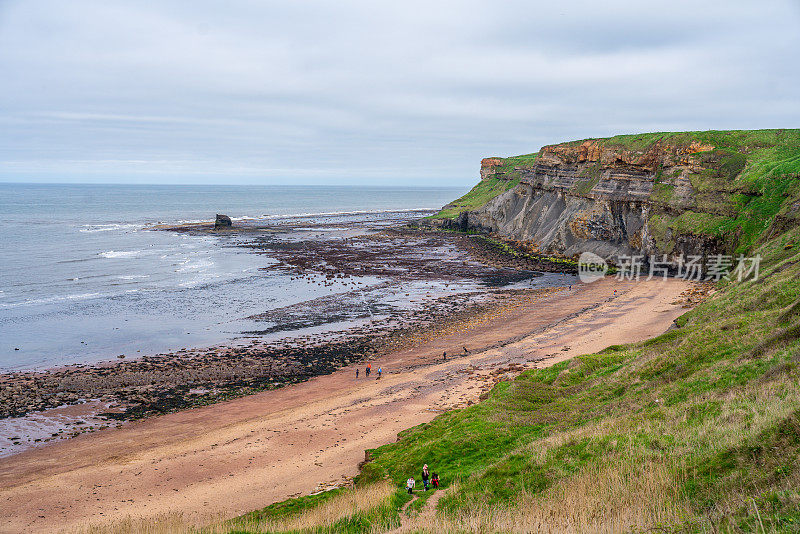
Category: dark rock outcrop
[223,221]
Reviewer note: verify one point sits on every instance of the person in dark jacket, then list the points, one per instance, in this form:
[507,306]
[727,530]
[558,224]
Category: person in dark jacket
[425,476]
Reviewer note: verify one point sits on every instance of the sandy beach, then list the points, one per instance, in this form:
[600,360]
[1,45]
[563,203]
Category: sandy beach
[240,455]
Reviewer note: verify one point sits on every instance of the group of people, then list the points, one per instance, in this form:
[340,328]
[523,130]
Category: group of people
[427,479]
[368,368]
[368,371]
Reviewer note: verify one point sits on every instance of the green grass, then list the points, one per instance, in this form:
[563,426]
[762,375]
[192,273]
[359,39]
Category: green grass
[696,430]
[510,164]
[692,396]
[585,186]
[347,518]
[662,193]
[753,176]
[506,177]
[478,197]
[712,406]
[291,507]
[421,500]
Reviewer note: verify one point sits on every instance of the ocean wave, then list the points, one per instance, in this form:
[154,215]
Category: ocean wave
[203,280]
[132,276]
[191,265]
[120,253]
[87,277]
[75,260]
[333,214]
[303,215]
[94,228]
[50,300]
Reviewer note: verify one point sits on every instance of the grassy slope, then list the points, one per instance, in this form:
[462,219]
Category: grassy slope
[487,189]
[476,198]
[699,426]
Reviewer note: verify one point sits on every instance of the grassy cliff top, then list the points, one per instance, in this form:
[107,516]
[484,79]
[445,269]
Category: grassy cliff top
[476,198]
[749,178]
[746,140]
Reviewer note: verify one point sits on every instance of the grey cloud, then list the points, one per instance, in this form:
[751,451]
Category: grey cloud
[361,92]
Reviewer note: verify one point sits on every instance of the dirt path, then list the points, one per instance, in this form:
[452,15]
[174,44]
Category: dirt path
[429,510]
[426,516]
[240,455]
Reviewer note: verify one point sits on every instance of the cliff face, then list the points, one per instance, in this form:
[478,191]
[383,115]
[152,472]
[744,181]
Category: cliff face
[652,194]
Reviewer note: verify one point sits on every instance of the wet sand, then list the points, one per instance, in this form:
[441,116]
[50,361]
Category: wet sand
[379,286]
[244,454]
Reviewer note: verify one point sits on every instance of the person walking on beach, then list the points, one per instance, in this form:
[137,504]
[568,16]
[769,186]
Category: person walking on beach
[356,372]
[425,476]
[444,356]
[368,370]
[410,485]
[380,371]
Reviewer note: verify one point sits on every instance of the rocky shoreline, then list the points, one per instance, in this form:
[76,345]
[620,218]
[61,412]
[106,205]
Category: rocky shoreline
[126,389]
[164,383]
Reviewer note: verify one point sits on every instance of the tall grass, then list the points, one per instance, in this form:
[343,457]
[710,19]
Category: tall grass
[698,429]
[353,510]
[349,510]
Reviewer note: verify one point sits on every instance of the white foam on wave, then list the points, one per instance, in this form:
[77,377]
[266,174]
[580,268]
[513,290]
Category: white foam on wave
[132,276]
[120,253]
[331,214]
[304,215]
[191,265]
[94,228]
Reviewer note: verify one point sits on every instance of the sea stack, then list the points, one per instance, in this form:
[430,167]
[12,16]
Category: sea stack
[223,221]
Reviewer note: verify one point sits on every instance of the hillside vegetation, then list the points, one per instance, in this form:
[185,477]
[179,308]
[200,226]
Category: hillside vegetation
[697,430]
[477,197]
[751,177]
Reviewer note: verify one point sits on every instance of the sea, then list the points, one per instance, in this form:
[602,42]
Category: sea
[85,277]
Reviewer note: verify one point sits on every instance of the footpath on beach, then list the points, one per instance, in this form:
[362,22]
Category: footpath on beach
[240,455]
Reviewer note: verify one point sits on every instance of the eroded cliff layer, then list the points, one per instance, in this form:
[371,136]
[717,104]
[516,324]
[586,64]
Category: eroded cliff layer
[651,194]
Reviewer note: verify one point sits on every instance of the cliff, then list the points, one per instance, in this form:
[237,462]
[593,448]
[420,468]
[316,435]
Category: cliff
[651,194]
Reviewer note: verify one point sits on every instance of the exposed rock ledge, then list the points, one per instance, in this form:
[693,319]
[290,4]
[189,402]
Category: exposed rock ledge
[611,199]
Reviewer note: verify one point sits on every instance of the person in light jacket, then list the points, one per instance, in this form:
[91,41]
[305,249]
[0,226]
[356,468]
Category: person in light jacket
[410,485]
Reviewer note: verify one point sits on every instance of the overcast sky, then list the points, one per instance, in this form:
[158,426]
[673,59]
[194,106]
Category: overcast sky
[371,92]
